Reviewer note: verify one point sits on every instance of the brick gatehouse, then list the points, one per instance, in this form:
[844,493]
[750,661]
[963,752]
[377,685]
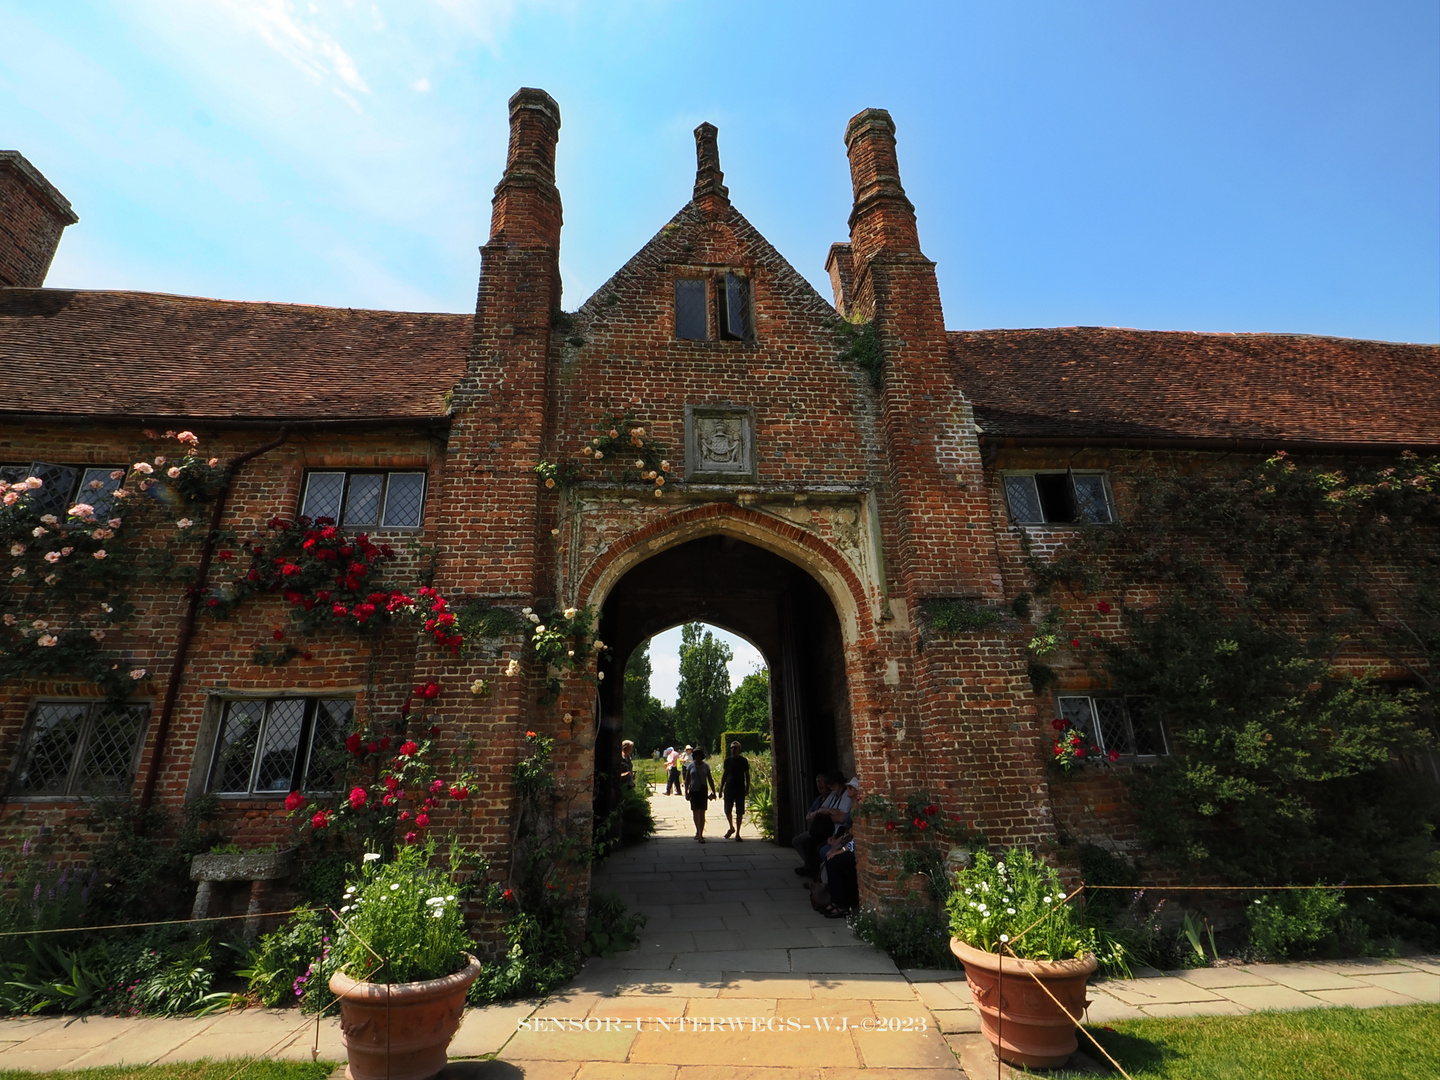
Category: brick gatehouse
[814,504]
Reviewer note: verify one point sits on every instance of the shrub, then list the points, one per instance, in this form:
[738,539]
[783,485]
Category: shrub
[760,802]
[1301,922]
[637,820]
[913,936]
[282,968]
[609,927]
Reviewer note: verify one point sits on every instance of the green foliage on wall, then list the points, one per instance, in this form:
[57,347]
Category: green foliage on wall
[1239,595]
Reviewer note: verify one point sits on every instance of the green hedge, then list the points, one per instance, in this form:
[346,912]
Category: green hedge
[751,742]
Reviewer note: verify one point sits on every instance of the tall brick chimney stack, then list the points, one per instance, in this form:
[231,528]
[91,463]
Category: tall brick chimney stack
[32,217]
[936,483]
[883,219]
[527,203]
[711,194]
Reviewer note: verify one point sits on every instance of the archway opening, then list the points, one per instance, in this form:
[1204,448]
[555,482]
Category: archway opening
[771,602]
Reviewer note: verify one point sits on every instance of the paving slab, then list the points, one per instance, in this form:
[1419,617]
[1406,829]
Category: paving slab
[1223,1007]
[865,986]
[571,1046]
[923,975]
[748,1072]
[731,1006]
[1272,997]
[817,1049]
[738,960]
[943,995]
[1418,985]
[1219,977]
[48,1060]
[1162,989]
[769,986]
[956,1021]
[1362,997]
[79,1034]
[1103,1009]
[628,1070]
[1303,976]
[902,1049]
[144,1043]
[485,1031]
[690,984]
[840,960]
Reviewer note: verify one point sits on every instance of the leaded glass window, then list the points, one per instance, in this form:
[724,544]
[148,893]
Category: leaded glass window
[385,500]
[270,747]
[81,748]
[1127,726]
[65,485]
[690,320]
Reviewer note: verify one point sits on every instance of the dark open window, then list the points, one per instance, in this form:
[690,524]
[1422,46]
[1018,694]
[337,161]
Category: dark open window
[1058,498]
[1128,726]
[733,297]
[690,321]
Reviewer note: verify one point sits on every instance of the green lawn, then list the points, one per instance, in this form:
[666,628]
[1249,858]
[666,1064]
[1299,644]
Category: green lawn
[190,1070]
[1395,1043]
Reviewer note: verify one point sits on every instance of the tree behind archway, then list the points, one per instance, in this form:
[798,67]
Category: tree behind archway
[704,689]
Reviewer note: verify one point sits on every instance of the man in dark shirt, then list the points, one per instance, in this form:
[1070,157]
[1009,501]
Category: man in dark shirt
[734,786]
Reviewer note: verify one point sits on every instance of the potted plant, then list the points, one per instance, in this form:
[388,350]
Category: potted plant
[1010,927]
[404,967]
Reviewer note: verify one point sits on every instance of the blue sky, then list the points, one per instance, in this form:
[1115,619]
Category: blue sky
[1209,166]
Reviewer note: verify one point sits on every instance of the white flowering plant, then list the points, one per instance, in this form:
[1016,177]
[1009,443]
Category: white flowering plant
[402,920]
[1018,902]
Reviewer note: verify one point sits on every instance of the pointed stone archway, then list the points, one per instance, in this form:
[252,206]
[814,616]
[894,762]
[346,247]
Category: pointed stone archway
[729,580]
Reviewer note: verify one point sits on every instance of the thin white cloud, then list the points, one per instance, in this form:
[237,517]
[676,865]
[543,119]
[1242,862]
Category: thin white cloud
[422,85]
[308,47]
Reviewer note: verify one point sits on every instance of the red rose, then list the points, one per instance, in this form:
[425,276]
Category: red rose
[387,800]
[408,747]
[530,734]
[889,826]
[458,792]
[1114,755]
[437,786]
[340,610]
[411,837]
[422,820]
[225,556]
[1103,608]
[1079,751]
[404,815]
[391,783]
[385,742]
[432,732]
[278,635]
[353,743]
[509,894]
[357,797]
[431,689]
[320,820]
[1074,642]
[1058,725]
[307,656]
[293,801]
[212,602]
[932,809]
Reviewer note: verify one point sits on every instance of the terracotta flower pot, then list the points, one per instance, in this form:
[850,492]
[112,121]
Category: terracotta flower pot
[1023,1025]
[401,1031]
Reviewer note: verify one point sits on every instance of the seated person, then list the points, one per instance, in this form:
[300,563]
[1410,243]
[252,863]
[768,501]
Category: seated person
[821,824]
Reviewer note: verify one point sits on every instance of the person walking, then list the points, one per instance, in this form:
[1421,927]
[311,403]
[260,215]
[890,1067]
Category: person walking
[627,764]
[698,776]
[672,779]
[734,786]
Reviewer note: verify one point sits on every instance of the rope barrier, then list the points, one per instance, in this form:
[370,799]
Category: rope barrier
[1253,888]
[157,922]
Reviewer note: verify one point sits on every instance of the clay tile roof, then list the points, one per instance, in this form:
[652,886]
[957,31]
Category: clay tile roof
[1105,385]
[145,355]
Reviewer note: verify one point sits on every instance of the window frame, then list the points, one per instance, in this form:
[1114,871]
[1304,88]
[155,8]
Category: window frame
[84,474]
[717,285]
[1008,475]
[300,768]
[382,499]
[27,747]
[1096,731]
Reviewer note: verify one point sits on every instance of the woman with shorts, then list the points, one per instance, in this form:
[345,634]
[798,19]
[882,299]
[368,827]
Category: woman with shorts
[700,777]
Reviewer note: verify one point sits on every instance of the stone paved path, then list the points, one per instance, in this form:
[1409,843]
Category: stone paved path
[736,978]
